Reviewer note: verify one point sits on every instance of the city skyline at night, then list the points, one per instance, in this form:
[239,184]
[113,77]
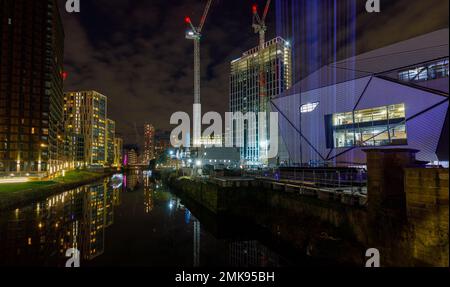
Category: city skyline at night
[225,142]
[139,63]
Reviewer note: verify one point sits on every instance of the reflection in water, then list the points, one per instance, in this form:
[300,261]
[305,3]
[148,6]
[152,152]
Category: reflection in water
[149,187]
[41,233]
[251,254]
[131,180]
[109,224]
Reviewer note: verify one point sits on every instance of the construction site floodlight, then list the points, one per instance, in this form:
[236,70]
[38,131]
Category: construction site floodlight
[190,35]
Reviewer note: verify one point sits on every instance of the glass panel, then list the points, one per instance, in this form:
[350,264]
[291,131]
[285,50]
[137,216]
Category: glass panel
[343,119]
[381,136]
[398,135]
[431,71]
[397,111]
[366,136]
[344,138]
[370,115]
[374,127]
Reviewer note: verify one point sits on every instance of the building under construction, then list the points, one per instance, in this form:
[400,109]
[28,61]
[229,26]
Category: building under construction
[246,83]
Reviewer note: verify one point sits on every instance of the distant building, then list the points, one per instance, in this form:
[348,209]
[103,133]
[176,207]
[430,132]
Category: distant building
[31,85]
[118,152]
[162,142]
[245,95]
[219,157]
[216,140]
[131,157]
[110,136]
[149,143]
[87,128]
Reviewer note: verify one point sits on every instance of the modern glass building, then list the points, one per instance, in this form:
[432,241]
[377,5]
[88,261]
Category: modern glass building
[31,87]
[392,97]
[118,151]
[86,122]
[110,135]
[270,70]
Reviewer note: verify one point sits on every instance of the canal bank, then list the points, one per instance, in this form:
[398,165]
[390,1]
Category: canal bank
[314,228]
[147,225]
[406,217]
[16,195]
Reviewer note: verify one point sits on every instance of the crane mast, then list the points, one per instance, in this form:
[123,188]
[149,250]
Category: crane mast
[259,23]
[195,35]
[259,26]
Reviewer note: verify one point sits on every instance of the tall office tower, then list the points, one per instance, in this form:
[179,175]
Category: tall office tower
[162,142]
[118,151]
[245,94]
[31,87]
[149,143]
[131,156]
[110,135]
[85,114]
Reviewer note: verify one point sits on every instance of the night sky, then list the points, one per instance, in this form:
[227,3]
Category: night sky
[135,51]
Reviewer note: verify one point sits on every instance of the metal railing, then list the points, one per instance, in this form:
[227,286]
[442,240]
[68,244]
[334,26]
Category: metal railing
[353,180]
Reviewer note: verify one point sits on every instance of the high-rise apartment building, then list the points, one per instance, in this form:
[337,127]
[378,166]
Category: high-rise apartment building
[110,135]
[86,123]
[149,143]
[31,87]
[269,69]
[162,142]
[118,151]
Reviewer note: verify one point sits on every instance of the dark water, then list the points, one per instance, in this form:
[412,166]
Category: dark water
[136,221]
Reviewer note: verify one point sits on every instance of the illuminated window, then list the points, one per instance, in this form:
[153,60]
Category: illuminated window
[427,72]
[308,108]
[371,127]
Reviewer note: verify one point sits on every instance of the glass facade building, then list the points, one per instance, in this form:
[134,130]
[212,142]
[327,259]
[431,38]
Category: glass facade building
[380,126]
[118,151]
[86,124]
[31,87]
[245,95]
[110,135]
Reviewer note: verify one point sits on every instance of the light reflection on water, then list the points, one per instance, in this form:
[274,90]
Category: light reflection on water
[128,219]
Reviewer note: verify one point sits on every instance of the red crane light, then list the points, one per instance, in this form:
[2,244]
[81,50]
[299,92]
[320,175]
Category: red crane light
[255,8]
[64,75]
[187,20]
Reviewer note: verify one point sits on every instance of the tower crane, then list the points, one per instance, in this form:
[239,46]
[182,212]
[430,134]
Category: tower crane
[259,25]
[196,35]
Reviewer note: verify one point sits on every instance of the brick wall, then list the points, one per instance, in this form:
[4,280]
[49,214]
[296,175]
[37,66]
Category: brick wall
[427,194]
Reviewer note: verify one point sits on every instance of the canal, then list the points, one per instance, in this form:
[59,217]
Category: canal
[133,220]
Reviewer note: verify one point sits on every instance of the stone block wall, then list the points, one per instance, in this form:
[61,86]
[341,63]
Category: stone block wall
[427,202]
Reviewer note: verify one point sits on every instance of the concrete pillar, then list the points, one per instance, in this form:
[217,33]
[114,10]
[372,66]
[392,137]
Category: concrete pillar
[385,168]
[387,220]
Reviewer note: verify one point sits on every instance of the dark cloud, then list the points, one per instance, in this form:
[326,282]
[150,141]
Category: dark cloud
[135,51]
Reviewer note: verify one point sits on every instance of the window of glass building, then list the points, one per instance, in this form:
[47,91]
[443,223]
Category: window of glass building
[308,108]
[370,127]
[426,72]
